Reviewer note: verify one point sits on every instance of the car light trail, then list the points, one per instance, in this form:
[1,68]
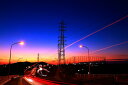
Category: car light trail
[30,80]
[97,31]
[109,47]
[41,81]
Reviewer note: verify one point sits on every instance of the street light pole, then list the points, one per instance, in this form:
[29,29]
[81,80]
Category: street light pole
[21,43]
[88,57]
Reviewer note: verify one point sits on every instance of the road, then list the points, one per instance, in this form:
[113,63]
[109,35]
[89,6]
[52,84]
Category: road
[102,80]
[33,81]
[17,81]
[40,81]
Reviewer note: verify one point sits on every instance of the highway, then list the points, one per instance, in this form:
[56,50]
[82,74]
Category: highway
[33,81]
[99,79]
[17,81]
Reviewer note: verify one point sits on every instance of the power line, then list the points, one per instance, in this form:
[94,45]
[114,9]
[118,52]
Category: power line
[110,46]
[97,31]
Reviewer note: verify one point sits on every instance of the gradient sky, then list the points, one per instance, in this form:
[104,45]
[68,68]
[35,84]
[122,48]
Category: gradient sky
[36,22]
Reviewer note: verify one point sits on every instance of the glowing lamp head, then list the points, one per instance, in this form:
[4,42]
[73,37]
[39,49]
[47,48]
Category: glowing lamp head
[21,43]
[81,46]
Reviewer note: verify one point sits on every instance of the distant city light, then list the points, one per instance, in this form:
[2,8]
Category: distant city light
[29,66]
[74,63]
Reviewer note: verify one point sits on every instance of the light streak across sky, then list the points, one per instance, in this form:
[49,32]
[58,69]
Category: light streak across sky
[36,23]
[97,31]
[109,47]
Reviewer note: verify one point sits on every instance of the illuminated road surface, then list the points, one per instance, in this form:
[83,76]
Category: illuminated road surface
[100,80]
[17,81]
[39,81]
[33,81]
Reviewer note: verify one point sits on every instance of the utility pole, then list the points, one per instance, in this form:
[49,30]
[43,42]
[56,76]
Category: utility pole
[38,57]
[74,60]
[61,44]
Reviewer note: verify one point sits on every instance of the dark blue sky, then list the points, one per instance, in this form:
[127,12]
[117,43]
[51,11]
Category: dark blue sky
[37,21]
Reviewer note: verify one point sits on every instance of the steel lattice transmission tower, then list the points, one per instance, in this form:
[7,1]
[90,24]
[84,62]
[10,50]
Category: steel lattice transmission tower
[61,44]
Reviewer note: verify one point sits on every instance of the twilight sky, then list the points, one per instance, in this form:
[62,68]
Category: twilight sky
[36,22]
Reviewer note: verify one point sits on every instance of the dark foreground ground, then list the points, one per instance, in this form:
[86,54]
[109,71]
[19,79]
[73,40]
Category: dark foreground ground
[96,79]
[102,73]
[92,79]
[13,80]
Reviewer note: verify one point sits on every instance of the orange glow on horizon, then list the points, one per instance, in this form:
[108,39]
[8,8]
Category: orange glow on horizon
[47,56]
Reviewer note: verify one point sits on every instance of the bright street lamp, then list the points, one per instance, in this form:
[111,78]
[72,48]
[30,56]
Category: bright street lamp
[81,46]
[21,43]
